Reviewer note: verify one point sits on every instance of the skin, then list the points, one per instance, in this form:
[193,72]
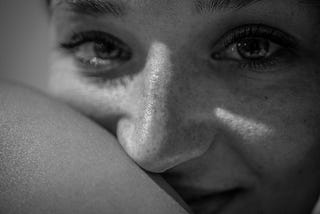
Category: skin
[205,125]
[50,164]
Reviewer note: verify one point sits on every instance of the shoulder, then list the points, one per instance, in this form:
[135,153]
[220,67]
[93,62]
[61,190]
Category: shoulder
[54,160]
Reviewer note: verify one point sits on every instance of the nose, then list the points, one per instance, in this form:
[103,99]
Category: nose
[166,130]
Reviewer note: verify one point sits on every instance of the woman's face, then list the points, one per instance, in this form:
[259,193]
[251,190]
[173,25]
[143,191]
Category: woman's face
[221,97]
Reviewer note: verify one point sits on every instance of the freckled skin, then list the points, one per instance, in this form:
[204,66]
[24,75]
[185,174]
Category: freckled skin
[207,125]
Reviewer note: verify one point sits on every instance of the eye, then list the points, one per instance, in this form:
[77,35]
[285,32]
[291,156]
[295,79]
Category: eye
[251,49]
[99,54]
[98,50]
[257,47]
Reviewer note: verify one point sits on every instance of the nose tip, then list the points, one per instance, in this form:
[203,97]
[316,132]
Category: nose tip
[164,134]
[157,145]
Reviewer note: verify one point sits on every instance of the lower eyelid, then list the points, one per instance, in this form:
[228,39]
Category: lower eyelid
[116,74]
[92,64]
[284,59]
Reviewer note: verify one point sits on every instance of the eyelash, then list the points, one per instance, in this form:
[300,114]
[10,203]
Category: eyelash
[100,69]
[80,38]
[287,44]
[108,72]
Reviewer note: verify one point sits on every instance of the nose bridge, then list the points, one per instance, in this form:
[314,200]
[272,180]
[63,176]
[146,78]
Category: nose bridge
[157,115]
[158,71]
[163,134]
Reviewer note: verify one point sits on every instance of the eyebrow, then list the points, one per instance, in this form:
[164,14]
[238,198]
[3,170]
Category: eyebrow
[91,7]
[118,8]
[214,5]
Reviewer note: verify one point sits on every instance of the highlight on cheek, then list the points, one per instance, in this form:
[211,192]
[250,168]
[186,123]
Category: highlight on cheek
[249,129]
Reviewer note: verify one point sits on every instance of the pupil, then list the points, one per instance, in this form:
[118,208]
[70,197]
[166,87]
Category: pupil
[253,48]
[106,51]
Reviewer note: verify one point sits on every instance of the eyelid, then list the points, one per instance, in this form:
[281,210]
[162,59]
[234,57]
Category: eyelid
[92,36]
[77,40]
[256,30]
[288,48]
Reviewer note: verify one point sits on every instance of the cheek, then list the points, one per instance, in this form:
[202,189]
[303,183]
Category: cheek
[275,127]
[100,103]
[285,138]
[280,145]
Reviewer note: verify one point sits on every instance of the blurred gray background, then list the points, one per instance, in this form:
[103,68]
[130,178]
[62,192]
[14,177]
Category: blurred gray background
[24,40]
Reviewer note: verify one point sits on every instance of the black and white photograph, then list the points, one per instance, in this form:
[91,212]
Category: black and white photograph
[159,106]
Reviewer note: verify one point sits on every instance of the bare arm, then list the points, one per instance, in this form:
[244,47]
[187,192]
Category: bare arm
[54,160]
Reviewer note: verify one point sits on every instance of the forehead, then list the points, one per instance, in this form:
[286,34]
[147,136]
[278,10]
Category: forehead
[198,4]
[151,1]
[119,7]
